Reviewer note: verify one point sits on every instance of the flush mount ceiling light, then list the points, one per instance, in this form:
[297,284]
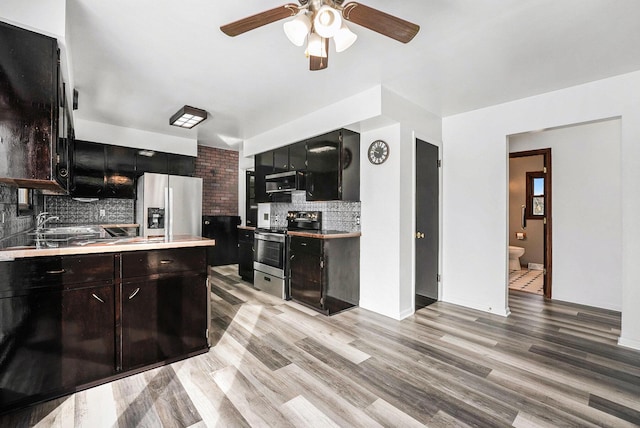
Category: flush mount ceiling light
[318,21]
[188,117]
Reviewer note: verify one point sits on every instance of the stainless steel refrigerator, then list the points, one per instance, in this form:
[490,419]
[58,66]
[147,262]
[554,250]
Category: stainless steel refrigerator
[169,205]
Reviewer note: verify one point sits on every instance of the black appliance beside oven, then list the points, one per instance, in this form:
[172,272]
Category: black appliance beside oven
[271,252]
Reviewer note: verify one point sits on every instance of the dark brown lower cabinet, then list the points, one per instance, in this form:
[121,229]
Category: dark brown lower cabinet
[88,336]
[53,340]
[163,318]
[61,318]
[324,274]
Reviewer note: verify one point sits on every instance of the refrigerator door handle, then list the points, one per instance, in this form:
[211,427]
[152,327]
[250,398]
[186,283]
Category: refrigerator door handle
[167,213]
[170,212]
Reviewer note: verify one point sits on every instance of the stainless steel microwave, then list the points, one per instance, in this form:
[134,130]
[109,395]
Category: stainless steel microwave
[284,182]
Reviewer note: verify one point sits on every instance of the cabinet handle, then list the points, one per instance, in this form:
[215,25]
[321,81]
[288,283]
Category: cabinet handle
[166,262]
[52,272]
[207,222]
[97,298]
[136,291]
[292,256]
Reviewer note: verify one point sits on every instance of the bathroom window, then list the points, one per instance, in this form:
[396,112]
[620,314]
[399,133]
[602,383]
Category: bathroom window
[535,195]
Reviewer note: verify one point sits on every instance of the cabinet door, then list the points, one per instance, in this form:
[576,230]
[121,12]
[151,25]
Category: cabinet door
[297,157]
[139,324]
[163,317]
[281,159]
[245,255]
[88,173]
[181,165]
[120,172]
[88,335]
[323,167]
[150,161]
[263,166]
[28,90]
[305,272]
[182,314]
[251,209]
[31,350]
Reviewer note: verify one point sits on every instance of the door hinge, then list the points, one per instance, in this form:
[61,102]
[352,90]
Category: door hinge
[438,278]
[544,169]
[321,263]
[544,220]
[544,271]
[439,163]
[206,333]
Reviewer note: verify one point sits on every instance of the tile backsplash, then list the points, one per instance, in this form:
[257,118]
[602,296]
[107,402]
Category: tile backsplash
[71,211]
[10,222]
[336,215]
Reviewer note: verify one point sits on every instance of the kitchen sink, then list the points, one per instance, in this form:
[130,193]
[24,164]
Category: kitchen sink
[69,230]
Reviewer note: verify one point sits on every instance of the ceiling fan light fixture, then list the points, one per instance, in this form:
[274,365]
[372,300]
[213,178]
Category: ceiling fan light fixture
[316,46]
[188,117]
[298,28]
[327,21]
[344,38]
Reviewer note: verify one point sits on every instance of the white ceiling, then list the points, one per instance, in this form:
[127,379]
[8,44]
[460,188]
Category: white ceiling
[135,63]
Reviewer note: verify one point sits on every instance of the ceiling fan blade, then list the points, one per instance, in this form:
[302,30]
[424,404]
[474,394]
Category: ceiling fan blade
[258,20]
[317,63]
[380,22]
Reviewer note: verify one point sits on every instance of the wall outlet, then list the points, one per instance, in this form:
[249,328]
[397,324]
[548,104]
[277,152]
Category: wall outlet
[103,213]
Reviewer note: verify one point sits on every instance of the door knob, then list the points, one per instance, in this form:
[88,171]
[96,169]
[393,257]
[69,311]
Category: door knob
[419,235]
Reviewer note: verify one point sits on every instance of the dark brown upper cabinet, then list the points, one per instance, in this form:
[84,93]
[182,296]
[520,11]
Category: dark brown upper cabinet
[330,162]
[333,167]
[30,98]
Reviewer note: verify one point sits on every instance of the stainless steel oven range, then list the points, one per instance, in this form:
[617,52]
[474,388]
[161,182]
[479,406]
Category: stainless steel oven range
[269,262]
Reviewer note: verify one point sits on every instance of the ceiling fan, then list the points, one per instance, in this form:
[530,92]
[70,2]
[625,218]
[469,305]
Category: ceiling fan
[317,21]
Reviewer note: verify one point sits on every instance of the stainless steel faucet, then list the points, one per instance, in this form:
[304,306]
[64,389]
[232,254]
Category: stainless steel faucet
[42,219]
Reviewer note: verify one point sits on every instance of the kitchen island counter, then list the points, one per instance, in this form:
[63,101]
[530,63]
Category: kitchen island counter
[111,245]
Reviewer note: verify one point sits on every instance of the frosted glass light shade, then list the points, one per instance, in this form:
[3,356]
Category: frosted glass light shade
[327,21]
[316,45]
[297,29]
[344,38]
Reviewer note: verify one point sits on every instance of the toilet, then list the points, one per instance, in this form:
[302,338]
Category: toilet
[514,257]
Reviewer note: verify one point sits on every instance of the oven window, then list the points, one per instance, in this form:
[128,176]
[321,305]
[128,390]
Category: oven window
[270,253]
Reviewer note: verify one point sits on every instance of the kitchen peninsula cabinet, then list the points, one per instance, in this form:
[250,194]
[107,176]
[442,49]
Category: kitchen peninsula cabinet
[324,271]
[164,305]
[57,325]
[72,321]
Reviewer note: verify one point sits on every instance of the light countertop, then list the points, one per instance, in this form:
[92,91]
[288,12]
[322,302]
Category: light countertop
[113,245]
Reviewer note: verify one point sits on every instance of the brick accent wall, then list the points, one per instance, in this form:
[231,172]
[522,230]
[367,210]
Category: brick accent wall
[219,172]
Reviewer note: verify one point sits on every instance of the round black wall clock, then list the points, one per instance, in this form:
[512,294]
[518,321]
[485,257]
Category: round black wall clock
[378,152]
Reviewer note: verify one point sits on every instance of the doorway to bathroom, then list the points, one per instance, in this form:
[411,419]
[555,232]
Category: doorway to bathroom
[530,221]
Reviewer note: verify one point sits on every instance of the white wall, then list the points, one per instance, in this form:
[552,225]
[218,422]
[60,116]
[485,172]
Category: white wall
[130,137]
[42,16]
[380,214]
[587,211]
[475,199]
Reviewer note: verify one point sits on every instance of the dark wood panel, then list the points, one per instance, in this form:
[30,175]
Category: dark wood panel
[21,275]
[144,263]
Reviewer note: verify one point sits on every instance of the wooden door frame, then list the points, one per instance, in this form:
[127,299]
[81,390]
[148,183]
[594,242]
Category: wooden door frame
[546,156]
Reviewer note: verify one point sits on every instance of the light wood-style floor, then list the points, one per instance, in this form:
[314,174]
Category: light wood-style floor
[278,364]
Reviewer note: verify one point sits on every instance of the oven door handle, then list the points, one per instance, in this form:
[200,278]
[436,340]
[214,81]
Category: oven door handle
[277,237]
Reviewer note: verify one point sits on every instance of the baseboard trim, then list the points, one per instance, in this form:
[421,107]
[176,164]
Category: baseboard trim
[629,343]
